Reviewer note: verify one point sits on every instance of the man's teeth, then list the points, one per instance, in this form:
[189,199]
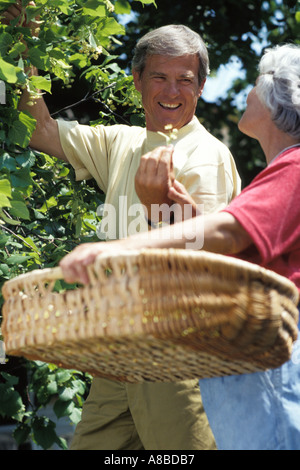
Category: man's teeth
[170,106]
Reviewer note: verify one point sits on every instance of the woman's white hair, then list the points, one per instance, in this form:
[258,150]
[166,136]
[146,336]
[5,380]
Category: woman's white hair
[172,41]
[279,86]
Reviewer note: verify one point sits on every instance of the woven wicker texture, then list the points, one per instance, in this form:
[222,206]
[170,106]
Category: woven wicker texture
[155,315]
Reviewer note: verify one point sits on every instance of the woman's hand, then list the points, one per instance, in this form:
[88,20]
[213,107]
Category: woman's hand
[74,265]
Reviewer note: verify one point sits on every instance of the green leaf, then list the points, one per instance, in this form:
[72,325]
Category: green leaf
[92,8]
[92,41]
[75,416]
[8,72]
[21,130]
[26,160]
[122,7]
[5,271]
[112,27]
[44,432]
[3,241]
[147,2]
[63,171]
[80,60]
[4,202]
[63,408]
[62,443]
[19,209]
[21,433]
[63,7]
[21,178]
[41,83]
[67,394]
[78,226]
[10,379]
[16,51]
[30,242]
[78,386]
[5,187]
[7,163]
[17,259]
[39,58]
[61,69]
[62,376]
[33,11]
[52,388]
[7,219]
[18,134]
[5,42]
[51,202]
[11,404]
[5,193]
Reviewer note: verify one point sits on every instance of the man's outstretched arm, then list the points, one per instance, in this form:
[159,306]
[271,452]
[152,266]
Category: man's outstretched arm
[46,135]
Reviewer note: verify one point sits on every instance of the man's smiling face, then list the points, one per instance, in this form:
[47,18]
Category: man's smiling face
[170,90]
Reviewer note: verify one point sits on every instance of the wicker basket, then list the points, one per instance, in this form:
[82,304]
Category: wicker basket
[155,315]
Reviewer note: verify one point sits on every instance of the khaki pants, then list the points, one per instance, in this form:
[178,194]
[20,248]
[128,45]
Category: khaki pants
[148,416]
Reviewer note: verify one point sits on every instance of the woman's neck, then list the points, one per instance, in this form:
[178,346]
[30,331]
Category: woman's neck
[276,143]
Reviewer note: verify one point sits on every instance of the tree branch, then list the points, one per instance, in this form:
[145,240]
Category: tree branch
[87,98]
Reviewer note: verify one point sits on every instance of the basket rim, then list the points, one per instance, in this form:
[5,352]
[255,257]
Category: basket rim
[241,266]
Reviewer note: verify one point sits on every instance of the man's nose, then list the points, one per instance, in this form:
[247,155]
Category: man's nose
[173,88]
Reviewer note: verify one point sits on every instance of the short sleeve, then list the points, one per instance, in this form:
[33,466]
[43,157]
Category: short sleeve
[269,208]
[87,150]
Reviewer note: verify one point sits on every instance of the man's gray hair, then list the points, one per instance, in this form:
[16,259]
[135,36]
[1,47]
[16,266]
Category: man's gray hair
[171,41]
[279,86]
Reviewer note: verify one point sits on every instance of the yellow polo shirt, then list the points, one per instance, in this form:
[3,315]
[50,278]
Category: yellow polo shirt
[111,155]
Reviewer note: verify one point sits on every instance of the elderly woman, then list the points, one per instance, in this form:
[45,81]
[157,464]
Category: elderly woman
[262,410]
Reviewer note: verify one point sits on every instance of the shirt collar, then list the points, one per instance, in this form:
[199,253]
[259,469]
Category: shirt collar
[158,139]
[283,151]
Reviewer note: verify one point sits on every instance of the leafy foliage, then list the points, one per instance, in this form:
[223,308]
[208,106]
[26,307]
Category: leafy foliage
[47,384]
[44,212]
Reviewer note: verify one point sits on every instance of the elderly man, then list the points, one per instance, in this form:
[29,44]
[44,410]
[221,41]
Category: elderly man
[170,66]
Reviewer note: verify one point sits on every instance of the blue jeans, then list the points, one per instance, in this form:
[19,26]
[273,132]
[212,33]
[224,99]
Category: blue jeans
[258,411]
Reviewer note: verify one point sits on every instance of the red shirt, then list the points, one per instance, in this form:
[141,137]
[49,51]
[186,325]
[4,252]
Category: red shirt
[269,210]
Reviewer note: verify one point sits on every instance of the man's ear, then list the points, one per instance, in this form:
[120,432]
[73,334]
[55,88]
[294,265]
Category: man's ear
[201,87]
[137,80]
